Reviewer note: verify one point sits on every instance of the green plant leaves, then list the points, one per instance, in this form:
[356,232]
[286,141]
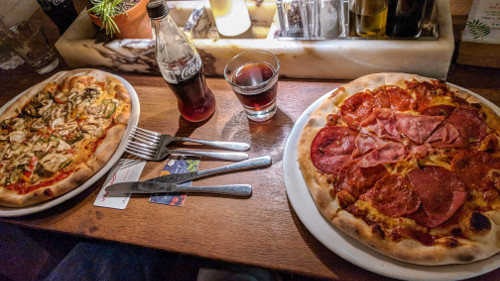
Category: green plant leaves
[106,10]
[478,29]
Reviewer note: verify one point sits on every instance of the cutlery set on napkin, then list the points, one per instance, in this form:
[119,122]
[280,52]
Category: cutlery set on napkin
[153,146]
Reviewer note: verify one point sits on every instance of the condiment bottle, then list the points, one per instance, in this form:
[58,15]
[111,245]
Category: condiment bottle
[368,17]
[180,65]
[404,17]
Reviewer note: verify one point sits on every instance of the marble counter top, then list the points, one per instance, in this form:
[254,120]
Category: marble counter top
[328,59]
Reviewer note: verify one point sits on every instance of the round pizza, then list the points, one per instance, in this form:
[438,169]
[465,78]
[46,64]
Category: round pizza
[409,166]
[58,134]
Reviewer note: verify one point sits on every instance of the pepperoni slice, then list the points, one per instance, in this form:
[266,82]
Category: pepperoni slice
[393,196]
[394,97]
[441,191]
[469,124]
[425,92]
[473,167]
[331,148]
[439,110]
[357,180]
[356,108]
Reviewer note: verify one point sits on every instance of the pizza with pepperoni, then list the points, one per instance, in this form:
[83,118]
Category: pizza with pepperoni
[409,166]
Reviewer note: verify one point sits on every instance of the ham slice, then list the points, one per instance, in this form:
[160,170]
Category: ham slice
[366,142]
[420,151]
[417,127]
[441,192]
[391,152]
[446,134]
[381,122]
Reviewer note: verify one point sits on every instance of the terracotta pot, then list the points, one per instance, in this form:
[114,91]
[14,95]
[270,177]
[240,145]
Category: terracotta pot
[136,25]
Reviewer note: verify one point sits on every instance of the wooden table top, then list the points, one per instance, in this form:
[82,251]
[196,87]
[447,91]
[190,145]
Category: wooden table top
[262,230]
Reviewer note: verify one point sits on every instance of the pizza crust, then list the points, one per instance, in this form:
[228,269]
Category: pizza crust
[11,198]
[107,148]
[475,247]
[412,251]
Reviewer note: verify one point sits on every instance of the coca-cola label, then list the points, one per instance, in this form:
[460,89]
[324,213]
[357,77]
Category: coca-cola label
[189,71]
[48,4]
[179,71]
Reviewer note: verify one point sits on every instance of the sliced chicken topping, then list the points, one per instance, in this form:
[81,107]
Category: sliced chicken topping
[17,136]
[37,125]
[52,162]
[63,146]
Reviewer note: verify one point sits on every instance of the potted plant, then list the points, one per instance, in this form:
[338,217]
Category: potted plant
[121,18]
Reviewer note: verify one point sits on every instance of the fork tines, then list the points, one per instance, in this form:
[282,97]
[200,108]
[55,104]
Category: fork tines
[146,136]
[141,150]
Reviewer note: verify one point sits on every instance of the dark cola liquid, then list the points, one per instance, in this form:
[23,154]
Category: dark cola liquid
[252,74]
[195,100]
[61,12]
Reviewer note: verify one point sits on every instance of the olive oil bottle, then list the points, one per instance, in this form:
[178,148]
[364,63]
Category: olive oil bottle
[368,17]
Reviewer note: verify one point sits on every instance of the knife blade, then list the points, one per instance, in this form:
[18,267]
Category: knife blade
[151,187]
[183,177]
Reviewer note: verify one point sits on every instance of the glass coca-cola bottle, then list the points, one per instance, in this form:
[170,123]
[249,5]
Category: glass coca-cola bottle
[180,65]
[61,12]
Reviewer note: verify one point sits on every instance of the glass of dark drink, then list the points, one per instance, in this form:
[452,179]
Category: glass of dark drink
[253,76]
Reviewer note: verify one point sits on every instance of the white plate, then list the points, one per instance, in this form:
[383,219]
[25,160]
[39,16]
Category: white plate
[134,119]
[347,247]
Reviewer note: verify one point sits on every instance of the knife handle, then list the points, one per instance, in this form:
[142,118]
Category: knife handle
[251,163]
[230,189]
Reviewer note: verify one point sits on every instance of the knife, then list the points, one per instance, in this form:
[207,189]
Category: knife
[148,187]
[263,161]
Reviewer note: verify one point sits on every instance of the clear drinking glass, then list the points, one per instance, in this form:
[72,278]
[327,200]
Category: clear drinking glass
[8,58]
[253,76]
[30,43]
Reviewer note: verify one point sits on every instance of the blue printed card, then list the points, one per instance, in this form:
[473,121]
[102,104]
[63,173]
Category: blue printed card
[176,165]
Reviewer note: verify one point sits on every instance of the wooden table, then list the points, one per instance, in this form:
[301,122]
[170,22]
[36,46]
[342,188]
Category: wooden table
[263,230]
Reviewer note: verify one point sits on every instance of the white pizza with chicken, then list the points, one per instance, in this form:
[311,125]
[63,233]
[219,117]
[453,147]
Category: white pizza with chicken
[57,135]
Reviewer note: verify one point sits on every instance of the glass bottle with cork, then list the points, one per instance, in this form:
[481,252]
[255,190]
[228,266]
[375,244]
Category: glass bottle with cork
[180,65]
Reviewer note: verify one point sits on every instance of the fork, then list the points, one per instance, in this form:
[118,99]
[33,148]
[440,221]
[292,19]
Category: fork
[162,140]
[153,146]
[157,153]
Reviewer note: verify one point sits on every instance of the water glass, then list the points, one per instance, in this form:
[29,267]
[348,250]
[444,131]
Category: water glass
[253,76]
[31,44]
[8,58]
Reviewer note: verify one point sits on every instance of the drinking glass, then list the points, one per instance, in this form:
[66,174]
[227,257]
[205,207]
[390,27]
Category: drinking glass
[8,58]
[253,76]
[30,43]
